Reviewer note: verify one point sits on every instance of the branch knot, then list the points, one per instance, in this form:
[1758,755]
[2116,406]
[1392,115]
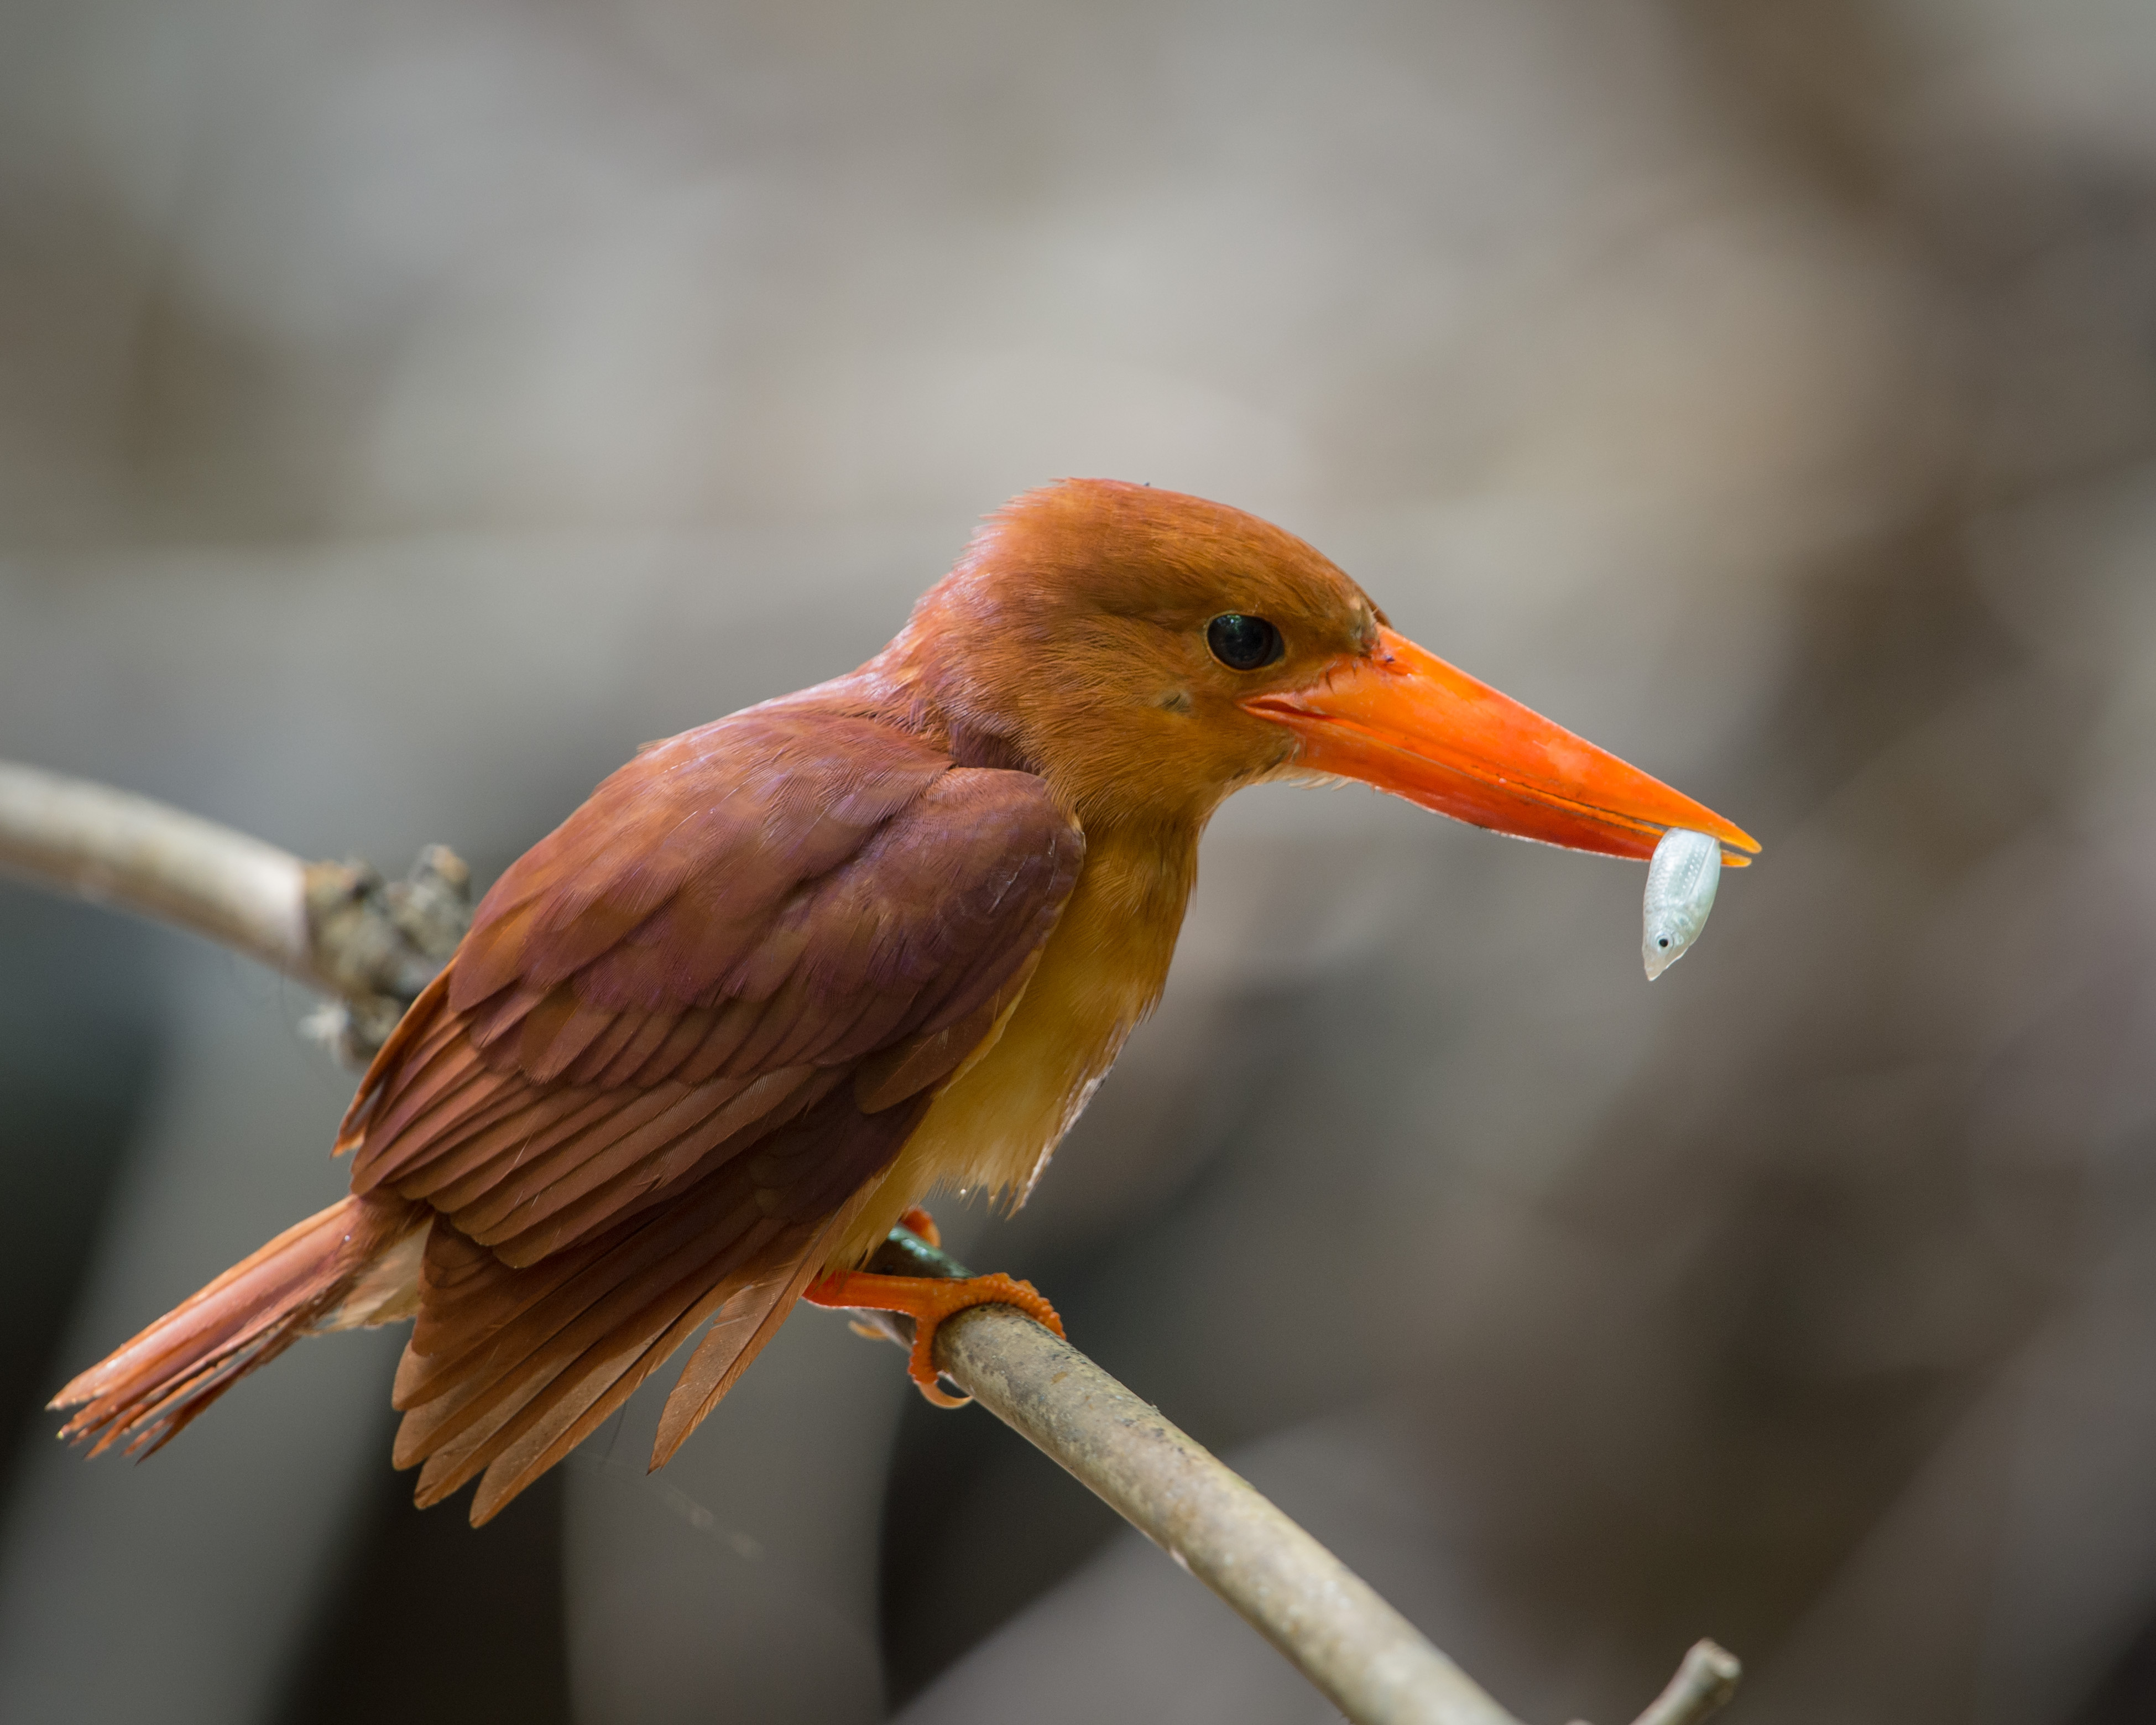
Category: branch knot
[379,942]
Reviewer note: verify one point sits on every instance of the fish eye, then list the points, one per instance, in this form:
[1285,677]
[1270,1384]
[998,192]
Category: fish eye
[1243,643]
[1662,941]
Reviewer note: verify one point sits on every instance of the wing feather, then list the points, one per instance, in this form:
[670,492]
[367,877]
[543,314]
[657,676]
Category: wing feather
[934,886]
[687,1034]
[509,1368]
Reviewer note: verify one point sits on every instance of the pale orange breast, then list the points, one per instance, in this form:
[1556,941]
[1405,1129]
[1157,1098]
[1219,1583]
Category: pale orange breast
[996,1124]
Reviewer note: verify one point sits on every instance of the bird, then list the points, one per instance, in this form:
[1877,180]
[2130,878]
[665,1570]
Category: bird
[783,976]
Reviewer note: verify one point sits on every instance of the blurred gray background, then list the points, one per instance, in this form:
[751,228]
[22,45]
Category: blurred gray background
[405,410]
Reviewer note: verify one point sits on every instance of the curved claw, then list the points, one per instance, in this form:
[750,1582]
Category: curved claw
[930,1301]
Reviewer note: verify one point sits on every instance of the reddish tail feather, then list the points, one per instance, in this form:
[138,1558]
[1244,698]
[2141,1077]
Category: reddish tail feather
[355,1263]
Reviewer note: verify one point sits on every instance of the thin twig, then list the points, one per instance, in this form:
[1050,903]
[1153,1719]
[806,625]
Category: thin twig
[119,849]
[1703,1685]
[337,927]
[1367,1659]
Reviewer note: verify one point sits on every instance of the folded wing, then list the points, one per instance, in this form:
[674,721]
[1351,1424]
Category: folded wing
[688,1032]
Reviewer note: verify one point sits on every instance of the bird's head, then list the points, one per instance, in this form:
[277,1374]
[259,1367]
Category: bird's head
[1148,653]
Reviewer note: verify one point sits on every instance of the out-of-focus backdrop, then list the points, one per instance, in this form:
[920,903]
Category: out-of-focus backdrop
[405,410]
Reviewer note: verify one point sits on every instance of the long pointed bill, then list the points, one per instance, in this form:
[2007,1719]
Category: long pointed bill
[1406,722]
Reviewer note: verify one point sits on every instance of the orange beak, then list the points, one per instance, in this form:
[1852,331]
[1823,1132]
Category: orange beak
[1405,720]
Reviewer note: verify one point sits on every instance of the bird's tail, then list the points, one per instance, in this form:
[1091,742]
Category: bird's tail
[355,1263]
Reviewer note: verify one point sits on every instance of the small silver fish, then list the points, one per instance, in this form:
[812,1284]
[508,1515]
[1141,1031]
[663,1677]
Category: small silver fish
[1681,883]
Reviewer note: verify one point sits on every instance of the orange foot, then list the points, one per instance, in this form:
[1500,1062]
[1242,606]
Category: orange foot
[928,1301]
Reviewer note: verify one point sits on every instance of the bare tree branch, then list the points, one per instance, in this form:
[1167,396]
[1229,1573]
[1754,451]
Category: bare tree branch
[338,928]
[115,847]
[1369,1661]
[1703,1685]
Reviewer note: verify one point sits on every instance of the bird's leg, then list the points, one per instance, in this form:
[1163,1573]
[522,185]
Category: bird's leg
[917,1220]
[928,1301]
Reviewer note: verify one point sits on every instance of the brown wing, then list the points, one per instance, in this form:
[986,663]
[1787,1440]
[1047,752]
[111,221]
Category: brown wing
[724,989]
[508,1370]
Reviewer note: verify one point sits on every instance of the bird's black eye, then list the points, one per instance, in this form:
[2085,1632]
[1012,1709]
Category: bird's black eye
[1243,643]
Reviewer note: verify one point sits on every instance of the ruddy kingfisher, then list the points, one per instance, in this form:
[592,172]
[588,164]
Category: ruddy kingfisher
[783,975]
